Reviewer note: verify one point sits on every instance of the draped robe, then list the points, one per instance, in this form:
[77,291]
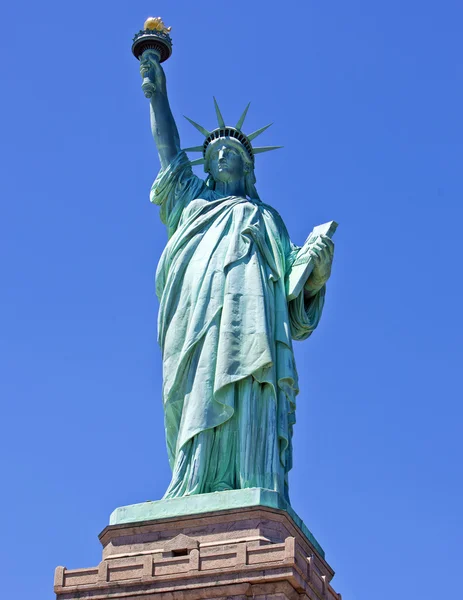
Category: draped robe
[225,328]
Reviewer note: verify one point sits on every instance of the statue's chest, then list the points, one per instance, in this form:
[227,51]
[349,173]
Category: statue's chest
[218,209]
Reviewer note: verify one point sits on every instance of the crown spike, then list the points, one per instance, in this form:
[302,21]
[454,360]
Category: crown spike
[220,120]
[243,116]
[265,149]
[253,135]
[198,161]
[201,129]
[194,149]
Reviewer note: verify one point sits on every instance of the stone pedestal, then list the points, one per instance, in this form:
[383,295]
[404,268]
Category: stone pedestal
[235,553]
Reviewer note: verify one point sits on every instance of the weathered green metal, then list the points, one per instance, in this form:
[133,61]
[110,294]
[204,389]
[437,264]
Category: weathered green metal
[219,114]
[200,128]
[243,116]
[254,134]
[234,293]
[228,131]
[208,503]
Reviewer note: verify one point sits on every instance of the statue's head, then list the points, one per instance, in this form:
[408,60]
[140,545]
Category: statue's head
[228,154]
[227,161]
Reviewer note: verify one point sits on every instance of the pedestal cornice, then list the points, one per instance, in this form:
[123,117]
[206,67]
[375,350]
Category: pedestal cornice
[235,553]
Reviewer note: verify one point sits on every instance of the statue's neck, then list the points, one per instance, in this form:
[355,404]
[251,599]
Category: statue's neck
[232,188]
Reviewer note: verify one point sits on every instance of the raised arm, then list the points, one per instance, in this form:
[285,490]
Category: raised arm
[163,125]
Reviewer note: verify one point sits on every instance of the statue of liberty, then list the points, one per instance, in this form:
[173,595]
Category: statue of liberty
[228,308]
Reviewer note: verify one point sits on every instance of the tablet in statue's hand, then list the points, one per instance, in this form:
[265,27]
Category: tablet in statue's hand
[303,265]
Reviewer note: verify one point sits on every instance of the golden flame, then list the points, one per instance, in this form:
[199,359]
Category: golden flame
[156,24]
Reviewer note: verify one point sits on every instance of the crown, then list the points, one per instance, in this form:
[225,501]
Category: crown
[226,131]
[153,36]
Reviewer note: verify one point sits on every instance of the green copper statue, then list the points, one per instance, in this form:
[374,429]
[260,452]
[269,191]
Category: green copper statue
[234,292]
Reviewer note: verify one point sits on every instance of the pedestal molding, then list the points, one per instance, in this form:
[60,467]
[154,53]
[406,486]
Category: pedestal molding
[259,550]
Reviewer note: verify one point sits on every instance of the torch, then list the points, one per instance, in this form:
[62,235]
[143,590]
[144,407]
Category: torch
[155,37]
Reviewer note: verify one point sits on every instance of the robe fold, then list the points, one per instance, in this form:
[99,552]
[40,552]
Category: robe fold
[225,328]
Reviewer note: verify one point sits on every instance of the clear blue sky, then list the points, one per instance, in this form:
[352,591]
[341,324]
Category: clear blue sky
[367,100]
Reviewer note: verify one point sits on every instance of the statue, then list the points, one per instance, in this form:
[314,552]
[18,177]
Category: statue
[234,292]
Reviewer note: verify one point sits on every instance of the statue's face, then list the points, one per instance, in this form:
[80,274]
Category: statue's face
[226,163]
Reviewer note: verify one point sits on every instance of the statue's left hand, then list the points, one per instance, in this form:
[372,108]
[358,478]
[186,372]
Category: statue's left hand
[322,252]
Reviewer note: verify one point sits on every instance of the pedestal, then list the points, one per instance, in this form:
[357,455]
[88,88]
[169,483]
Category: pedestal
[255,551]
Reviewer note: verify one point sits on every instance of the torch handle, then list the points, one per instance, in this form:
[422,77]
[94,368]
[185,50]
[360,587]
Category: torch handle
[148,87]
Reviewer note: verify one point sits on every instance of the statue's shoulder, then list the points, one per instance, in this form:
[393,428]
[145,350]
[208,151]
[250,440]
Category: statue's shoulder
[274,215]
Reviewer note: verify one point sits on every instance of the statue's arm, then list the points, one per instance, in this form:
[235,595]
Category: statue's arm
[163,126]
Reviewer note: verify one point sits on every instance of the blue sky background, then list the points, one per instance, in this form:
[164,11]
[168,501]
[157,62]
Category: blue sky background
[367,100]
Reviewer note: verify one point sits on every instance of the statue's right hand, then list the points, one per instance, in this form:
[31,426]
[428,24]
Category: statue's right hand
[153,75]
